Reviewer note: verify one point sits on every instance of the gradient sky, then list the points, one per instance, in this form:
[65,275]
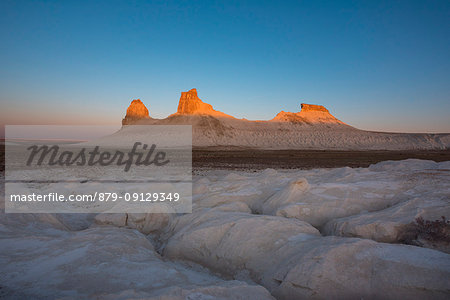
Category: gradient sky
[376,65]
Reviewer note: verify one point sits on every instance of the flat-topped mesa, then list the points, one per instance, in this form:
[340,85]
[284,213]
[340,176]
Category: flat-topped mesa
[135,112]
[309,114]
[312,107]
[190,104]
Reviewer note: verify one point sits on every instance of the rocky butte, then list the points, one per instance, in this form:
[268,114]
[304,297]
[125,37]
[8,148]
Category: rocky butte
[136,111]
[191,104]
[310,114]
[313,127]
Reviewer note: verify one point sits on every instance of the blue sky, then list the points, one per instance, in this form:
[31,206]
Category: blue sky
[377,65]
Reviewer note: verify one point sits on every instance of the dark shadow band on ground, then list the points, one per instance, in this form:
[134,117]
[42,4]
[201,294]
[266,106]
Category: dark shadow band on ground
[236,158]
[255,159]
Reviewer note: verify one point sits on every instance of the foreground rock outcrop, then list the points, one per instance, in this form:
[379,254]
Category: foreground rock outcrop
[293,261]
[389,225]
[249,234]
[101,263]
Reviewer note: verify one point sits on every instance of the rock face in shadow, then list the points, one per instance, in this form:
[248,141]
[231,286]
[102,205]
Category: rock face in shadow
[135,112]
[390,225]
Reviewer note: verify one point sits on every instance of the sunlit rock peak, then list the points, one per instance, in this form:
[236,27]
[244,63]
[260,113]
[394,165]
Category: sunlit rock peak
[136,111]
[190,104]
[309,113]
[312,107]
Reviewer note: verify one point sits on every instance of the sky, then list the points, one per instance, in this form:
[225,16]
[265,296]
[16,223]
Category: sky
[376,65]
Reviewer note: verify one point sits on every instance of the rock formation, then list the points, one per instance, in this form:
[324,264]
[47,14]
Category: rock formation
[313,127]
[312,107]
[190,104]
[309,113]
[136,111]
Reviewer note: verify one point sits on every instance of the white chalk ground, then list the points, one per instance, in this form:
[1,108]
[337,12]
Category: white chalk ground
[216,131]
[297,234]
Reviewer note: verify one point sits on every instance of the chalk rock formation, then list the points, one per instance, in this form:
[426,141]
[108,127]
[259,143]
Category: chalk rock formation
[293,261]
[392,225]
[144,222]
[294,191]
[103,262]
[190,104]
[311,128]
[310,113]
[135,112]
